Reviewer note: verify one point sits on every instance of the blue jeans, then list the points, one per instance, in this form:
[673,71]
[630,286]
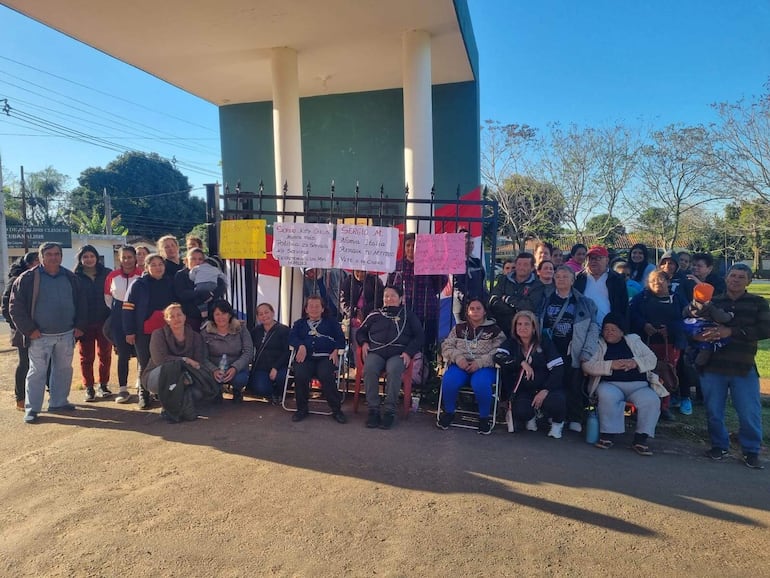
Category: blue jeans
[744,391]
[261,384]
[481,381]
[58,350]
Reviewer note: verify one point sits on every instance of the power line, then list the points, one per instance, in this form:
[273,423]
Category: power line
[105,93]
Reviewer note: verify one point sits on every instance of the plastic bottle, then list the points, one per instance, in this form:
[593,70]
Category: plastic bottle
[592,426]
[223,363]
[509,419]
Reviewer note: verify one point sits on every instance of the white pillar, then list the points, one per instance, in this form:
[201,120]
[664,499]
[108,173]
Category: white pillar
[418,122]
[287,144]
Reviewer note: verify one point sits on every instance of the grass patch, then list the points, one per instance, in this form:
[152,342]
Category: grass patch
[693,427]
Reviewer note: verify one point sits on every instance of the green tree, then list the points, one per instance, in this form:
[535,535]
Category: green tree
[147,191]
[528,208]
[46,194]
[656,224]
[748,223]
[606,228]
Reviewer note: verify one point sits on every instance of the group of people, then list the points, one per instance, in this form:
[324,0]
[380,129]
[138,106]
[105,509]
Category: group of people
[626,331]
[563,333]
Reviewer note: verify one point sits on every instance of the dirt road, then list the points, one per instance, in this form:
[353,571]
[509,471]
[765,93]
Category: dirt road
[112,491]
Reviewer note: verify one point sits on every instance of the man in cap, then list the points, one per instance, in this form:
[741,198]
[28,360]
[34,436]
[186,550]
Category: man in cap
[605,287]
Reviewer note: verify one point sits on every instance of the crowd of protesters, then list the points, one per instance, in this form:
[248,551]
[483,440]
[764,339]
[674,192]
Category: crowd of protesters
[565,330]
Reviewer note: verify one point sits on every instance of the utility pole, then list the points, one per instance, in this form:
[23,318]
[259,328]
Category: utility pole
[107,213]
[3,234]
[24,212]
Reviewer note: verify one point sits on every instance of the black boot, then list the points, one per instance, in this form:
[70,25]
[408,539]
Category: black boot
[373,419]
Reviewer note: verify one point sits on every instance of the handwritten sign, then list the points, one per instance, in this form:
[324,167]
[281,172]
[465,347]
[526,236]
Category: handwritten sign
[244,239]
[439,254]
[303,244]
[366,248]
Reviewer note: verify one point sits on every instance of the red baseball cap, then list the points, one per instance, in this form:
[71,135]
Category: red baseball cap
[598,250]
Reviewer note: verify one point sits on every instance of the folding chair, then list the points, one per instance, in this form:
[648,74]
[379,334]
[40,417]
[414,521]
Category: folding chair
[316,396]
[468,419]
[406,383]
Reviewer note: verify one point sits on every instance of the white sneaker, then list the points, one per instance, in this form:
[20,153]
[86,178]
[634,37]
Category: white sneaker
[532,424]
[575,426]
[556,429]
[123,396]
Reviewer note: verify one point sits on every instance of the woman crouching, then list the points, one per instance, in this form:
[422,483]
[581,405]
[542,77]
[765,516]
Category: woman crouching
[532,375]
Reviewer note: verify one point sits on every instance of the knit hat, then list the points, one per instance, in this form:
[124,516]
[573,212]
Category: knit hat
[616,320]
[703,292]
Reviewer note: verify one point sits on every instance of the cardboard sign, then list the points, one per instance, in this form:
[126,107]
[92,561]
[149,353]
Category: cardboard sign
[439,254]
[366,248]
[303,244]
[243,239]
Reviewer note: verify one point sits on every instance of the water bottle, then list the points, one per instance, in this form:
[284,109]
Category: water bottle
[592,426]
[509,419]
[223,363]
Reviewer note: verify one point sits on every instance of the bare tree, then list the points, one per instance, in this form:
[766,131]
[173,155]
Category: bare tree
[569,161]
[742,147]
[528,209]
[677,173]
[503,150]
[617,155]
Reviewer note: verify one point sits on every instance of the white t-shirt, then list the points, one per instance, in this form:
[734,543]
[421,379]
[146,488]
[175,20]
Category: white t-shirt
[596,290]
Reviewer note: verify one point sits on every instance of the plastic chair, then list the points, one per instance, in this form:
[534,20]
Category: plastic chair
[470,419]
[406,383]
[315,387]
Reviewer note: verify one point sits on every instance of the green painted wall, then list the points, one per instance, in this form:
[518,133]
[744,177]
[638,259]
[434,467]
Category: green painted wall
[356,137]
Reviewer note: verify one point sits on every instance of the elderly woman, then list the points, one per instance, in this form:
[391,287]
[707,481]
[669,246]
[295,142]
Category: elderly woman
[142,313]
[316,339]
[92,276]
[271,361]
[388,338]
[229,347]
[568,319]
[469,349]
[173,343]
[532,375]
[116,288]
[619,368]
[656,314]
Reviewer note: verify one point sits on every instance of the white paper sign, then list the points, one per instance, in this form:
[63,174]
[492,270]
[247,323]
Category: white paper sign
[303,244]
[366,248]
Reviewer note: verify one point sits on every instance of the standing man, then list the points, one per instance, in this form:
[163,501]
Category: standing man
[520,290]
[49,309]
[732,367]
[605,287]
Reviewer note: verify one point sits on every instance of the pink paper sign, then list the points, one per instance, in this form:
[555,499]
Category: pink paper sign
[439,254]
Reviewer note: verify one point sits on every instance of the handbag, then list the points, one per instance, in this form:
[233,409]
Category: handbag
[666,370]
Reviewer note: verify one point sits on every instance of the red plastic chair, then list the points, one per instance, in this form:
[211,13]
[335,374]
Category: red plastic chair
[406,384]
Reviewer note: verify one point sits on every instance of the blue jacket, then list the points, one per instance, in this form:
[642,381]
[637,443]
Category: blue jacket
[328,336]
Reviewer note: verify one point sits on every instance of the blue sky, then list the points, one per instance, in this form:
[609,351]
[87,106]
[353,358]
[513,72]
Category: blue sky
[592,62]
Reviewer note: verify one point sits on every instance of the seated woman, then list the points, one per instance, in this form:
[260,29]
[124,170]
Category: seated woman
[532,375]
[619,369]
[271,340]
[229,348]
[388,338]
[176,342]
[469,349]
[360,294]
[316,339]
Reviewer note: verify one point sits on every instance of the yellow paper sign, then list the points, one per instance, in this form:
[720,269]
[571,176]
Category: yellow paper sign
[244,239]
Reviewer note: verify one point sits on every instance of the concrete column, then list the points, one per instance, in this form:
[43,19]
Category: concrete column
[418,123]
[287,143]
